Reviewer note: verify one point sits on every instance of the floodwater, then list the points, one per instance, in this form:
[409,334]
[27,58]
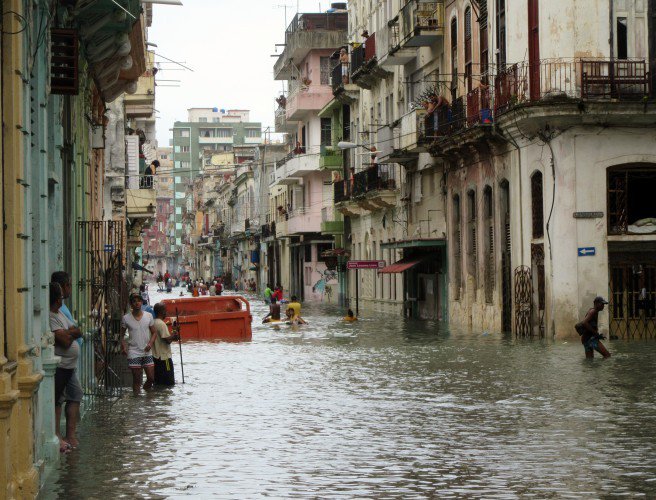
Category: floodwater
[385,407]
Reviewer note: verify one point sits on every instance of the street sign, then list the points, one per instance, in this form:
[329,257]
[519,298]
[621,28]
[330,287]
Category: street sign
[587,251]
[365,264]
[109,248]
[588,215]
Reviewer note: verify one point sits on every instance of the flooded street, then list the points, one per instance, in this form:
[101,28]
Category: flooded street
[385,407]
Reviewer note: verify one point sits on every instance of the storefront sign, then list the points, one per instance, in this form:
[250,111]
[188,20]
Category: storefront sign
[588,215]
[365,264]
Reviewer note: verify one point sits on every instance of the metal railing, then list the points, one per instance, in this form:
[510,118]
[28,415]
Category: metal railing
[615,79]
[554,79]
[375,178]
[337,77]
[341,191]
[326,21]
[419,15]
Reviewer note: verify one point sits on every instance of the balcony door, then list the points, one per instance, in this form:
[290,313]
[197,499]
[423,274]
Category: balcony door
[534,49]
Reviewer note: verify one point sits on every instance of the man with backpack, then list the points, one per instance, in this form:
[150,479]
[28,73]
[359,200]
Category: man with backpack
[588,329]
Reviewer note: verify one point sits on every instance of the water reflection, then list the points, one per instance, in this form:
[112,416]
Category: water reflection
[382,407]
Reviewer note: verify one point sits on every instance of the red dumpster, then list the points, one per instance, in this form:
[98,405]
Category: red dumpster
[211,318]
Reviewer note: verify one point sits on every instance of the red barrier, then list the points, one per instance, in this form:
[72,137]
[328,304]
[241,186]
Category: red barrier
[211,318]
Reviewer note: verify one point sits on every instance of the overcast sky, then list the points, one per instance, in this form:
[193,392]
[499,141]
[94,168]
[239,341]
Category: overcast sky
[228,44]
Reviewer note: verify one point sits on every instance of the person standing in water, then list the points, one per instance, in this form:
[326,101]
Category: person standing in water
[164,372]
[141,337]
[588,329]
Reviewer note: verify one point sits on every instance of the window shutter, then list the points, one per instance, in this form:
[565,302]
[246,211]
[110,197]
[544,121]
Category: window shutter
[64,62]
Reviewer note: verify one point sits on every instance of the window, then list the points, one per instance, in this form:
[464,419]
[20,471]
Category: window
[163,157]
[223,133]
[178,179]
[176,149]
[184,149]
[178,210]
[468,48]
[253,132]
[457,247]
[308,255]
[326,70]
[326,132]
[490,264]
[321,248]
[176,164]
[630,199]
[185,164]
[202,119]
[184,133]
[216,119]
[537,209]
[454,59]
[472,240]
[622,34]
[501,34]
[483,42]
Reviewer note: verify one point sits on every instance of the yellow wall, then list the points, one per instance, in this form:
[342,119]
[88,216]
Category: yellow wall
[18,382]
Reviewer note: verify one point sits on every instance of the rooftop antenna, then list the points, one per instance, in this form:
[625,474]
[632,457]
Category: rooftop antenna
[281,6]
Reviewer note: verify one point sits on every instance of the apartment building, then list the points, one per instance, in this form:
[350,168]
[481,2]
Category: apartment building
[207,131]
[473,132]
[301,197]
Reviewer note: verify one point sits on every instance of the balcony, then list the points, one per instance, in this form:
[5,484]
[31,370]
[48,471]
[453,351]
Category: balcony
[237,229]
[331,159]
[422,23]
[562,80]
[140,104]
[281,174]
[413,131]
[344,90]
[341,191]
[309,32]
[374,188]
[282,124]
[306,100]
[330,226]
[304,220]
[281,229]
[216,140]
[304,164]
[140,203]
[389,52]
[365,71]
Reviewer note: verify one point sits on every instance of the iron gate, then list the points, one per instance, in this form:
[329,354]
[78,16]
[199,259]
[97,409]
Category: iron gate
[101,298]
[523,301]
[632,307]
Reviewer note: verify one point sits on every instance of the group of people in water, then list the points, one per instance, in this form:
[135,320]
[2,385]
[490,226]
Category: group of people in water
[274,297]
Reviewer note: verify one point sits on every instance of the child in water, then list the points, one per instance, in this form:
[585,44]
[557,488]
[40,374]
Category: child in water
[350,316]
[293,318]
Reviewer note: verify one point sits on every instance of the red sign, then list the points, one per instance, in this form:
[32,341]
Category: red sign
[365,264]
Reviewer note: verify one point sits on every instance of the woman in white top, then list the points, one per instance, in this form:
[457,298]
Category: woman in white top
[141,337]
